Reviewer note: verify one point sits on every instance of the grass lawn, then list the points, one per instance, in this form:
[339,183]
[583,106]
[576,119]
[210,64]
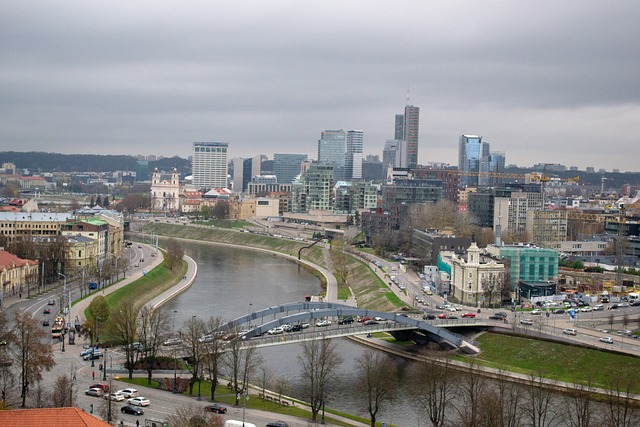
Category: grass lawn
[557,361]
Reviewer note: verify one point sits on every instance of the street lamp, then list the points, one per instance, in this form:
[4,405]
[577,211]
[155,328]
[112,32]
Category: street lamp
[62,334]
[104,365]
[93,346]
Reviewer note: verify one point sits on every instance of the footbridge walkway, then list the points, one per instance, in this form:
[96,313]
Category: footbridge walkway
[255,326]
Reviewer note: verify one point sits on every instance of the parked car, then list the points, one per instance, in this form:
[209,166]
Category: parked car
[139,401]
[216,408]
[536,312]
[97,392]
[559,311]
[570,331]
[116,396]
[606,340]
[526,321]
[324,323]
[129,392]
[598,307]
[132,410]
[469,314]
[278,424]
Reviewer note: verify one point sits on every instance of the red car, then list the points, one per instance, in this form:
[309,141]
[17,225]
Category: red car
[442,316]
[469,314]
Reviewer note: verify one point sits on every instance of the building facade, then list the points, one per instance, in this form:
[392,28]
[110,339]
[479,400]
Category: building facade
[474,281]
[209,165]
[287,166]
[471,151]
[165,191]
[353,156]
[528,263]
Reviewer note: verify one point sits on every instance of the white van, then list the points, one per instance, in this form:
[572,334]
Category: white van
[235,423]
[570,331]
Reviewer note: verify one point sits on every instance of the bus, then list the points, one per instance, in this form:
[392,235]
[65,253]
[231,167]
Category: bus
[56,328]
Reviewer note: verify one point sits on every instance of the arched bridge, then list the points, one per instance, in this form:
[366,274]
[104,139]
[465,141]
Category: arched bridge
[255,326]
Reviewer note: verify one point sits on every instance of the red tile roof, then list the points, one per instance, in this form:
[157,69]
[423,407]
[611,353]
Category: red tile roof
[9,260]
[51,417]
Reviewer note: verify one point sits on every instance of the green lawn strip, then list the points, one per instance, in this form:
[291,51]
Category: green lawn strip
[557,361]
[224,395]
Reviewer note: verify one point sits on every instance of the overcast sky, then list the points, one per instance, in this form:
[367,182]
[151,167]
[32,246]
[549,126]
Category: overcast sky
[543,81]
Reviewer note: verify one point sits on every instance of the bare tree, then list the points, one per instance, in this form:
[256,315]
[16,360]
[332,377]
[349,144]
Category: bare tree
[242,360]
[470,389]
[623,411]
[192,416]
[539,400]
[193,347]
[33,357]
[213,352]
[319,361]
[378,380]
[175,253]
[124,331]
[434,389]
[152,327]
[577,402]
[64,393]
[282,386]
[339,259]
[7,383]
[265,376]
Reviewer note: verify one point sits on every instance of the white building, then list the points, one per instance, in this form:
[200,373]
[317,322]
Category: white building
[474,282]
[209,164]
[165,193]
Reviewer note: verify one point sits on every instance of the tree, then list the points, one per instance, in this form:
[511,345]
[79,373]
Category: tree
[623,410]
[492,288]
[32,356]
[378,380]
[64,393]
[213,352]
[319,361]
[220,210]
[433,390]
[339,259]
[577,402]
[193,348]
[7,377]
[205,212]
[501,404]
[242,360]
[152,327]
[123,330]
[175,253]
[192,416]
[471,388]
[538,407]
[265,376]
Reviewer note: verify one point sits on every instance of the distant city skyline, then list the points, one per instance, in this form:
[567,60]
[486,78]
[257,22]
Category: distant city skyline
[545,81]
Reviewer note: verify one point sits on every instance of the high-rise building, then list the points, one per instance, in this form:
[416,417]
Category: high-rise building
[243,171]
[492,164]
[287,166]
[353,156]
[471,150]
[332,147]
[411,130]
[399,129]
[394,153]
[209,164]
[142,170]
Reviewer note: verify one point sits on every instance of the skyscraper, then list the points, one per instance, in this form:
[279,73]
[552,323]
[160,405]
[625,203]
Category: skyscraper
[399,129]
[209,164]
[287,166]
[411,130]
[471,151]
[353,156]
[394,154]
[332,147]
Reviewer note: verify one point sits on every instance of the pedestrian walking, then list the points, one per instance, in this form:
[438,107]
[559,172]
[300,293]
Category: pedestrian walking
[74,376]
[93,375]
